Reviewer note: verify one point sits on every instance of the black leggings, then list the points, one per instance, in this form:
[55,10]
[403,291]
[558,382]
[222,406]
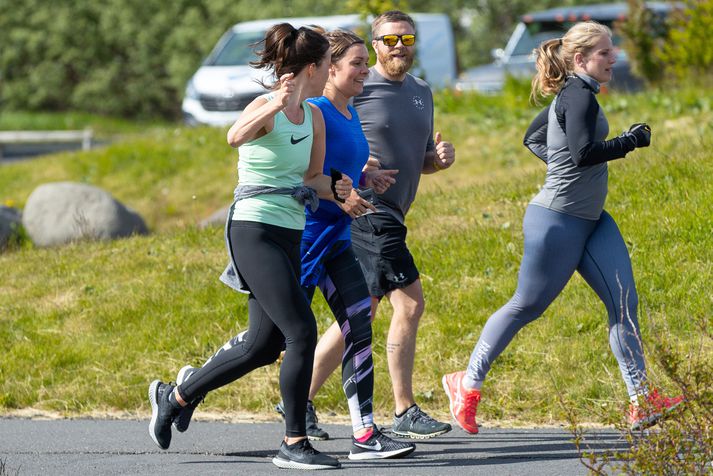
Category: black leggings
[268,259]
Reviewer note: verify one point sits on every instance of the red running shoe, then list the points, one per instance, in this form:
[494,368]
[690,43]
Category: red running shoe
[653,409]
[463,401]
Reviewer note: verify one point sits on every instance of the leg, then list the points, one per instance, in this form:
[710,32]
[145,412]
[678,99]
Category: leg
[346,292]
[269,261]
[606,267]
[408,307]
[328,354]
[327,357]
[554,243]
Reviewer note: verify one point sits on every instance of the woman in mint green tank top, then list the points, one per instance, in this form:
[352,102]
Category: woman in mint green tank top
[281,140]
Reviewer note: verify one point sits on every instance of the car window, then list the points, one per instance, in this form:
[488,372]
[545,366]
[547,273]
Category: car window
[238,49]
[537,32]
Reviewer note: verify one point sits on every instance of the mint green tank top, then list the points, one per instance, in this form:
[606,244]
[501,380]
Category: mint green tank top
[277,159]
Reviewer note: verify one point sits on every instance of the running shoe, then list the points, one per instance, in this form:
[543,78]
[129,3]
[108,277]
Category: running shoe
[463,401]
[314,432]
[379,446]
[183,419]
[653,409]
[162,413]
[302,455]
[415,423]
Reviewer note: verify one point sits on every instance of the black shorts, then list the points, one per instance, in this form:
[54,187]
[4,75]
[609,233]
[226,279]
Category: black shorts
[379,243]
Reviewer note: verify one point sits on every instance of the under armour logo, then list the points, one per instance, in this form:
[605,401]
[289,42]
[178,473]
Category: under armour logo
[297,141]
[418,102]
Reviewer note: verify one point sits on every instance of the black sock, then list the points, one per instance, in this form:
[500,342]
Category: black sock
[404,412]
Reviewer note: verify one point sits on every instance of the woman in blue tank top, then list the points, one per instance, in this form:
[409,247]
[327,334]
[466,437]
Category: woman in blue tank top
[566,228]
[327,257]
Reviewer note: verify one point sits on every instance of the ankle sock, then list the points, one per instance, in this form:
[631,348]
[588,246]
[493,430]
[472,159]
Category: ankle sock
[365,436]
[399,415]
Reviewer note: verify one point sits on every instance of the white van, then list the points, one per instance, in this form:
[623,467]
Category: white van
[225,83]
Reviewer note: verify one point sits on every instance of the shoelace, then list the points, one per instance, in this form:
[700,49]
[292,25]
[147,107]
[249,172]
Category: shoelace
[419,414]
[307,447]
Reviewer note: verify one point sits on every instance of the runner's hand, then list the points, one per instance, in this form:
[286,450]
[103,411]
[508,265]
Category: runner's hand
[286,90]
[344,187]
[641,133]
[380,180]
[355,206]
[445,153]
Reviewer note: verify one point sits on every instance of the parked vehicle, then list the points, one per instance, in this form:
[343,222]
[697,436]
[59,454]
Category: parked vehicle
[225,83]
[516,58]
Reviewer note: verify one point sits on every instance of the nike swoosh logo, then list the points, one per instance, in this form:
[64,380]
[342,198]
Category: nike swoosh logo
[375,447]
[297,141]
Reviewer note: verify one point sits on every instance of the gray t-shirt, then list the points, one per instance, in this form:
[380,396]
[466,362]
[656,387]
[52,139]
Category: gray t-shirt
[397,120]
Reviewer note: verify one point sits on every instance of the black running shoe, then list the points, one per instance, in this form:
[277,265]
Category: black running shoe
[162,413]
[379,446]
[302,455]
[183,419]
[415,423]
[314,432]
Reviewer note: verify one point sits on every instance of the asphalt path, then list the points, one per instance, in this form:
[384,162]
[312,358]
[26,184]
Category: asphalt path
[88,446]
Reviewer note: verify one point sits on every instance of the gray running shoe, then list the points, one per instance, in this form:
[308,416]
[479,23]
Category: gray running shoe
[379,446]
[415,423]
[183,419]
[314,432]
[302,455]
[162,413]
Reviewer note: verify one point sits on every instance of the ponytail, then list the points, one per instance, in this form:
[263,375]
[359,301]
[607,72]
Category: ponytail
[551,69]
[289,50]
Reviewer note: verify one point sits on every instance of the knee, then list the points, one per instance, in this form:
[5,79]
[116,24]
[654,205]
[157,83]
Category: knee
[266,354]
[305,337]
[527,310]
[627,308]
[410,310]
[360,327]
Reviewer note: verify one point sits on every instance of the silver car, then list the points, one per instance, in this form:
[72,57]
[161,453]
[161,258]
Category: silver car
[517,60]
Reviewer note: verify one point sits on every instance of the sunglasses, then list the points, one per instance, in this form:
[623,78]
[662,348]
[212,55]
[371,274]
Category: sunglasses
[393,40]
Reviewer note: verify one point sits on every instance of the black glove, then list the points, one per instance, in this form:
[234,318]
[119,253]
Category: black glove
[639,134]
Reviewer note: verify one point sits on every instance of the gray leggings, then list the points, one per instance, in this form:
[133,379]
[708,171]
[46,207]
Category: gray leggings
[556,245]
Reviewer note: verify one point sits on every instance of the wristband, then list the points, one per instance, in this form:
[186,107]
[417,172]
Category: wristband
[362,180]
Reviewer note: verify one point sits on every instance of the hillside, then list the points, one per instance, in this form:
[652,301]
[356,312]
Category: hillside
[86,327]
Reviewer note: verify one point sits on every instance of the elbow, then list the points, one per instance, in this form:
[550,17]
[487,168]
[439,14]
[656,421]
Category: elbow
[233,139]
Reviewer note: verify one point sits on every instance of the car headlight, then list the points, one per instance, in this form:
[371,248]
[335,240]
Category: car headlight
[191,92]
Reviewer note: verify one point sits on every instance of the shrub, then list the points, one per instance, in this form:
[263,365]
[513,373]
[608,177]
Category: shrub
[688,53]
[676,48]
[681,444]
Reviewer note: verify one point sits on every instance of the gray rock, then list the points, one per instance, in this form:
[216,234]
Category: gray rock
[10,219]
[63,212]
[216,219]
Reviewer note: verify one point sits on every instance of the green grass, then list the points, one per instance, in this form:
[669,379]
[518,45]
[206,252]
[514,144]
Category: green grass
[86,327]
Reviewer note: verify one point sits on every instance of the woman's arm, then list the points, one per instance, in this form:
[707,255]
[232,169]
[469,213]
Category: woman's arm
[581,111]
[536,135]
[258,118]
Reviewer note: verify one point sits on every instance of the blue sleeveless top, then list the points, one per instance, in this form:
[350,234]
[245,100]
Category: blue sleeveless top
[347,151]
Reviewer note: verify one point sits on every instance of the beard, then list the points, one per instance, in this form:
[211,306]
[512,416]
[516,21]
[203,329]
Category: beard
[396,66]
